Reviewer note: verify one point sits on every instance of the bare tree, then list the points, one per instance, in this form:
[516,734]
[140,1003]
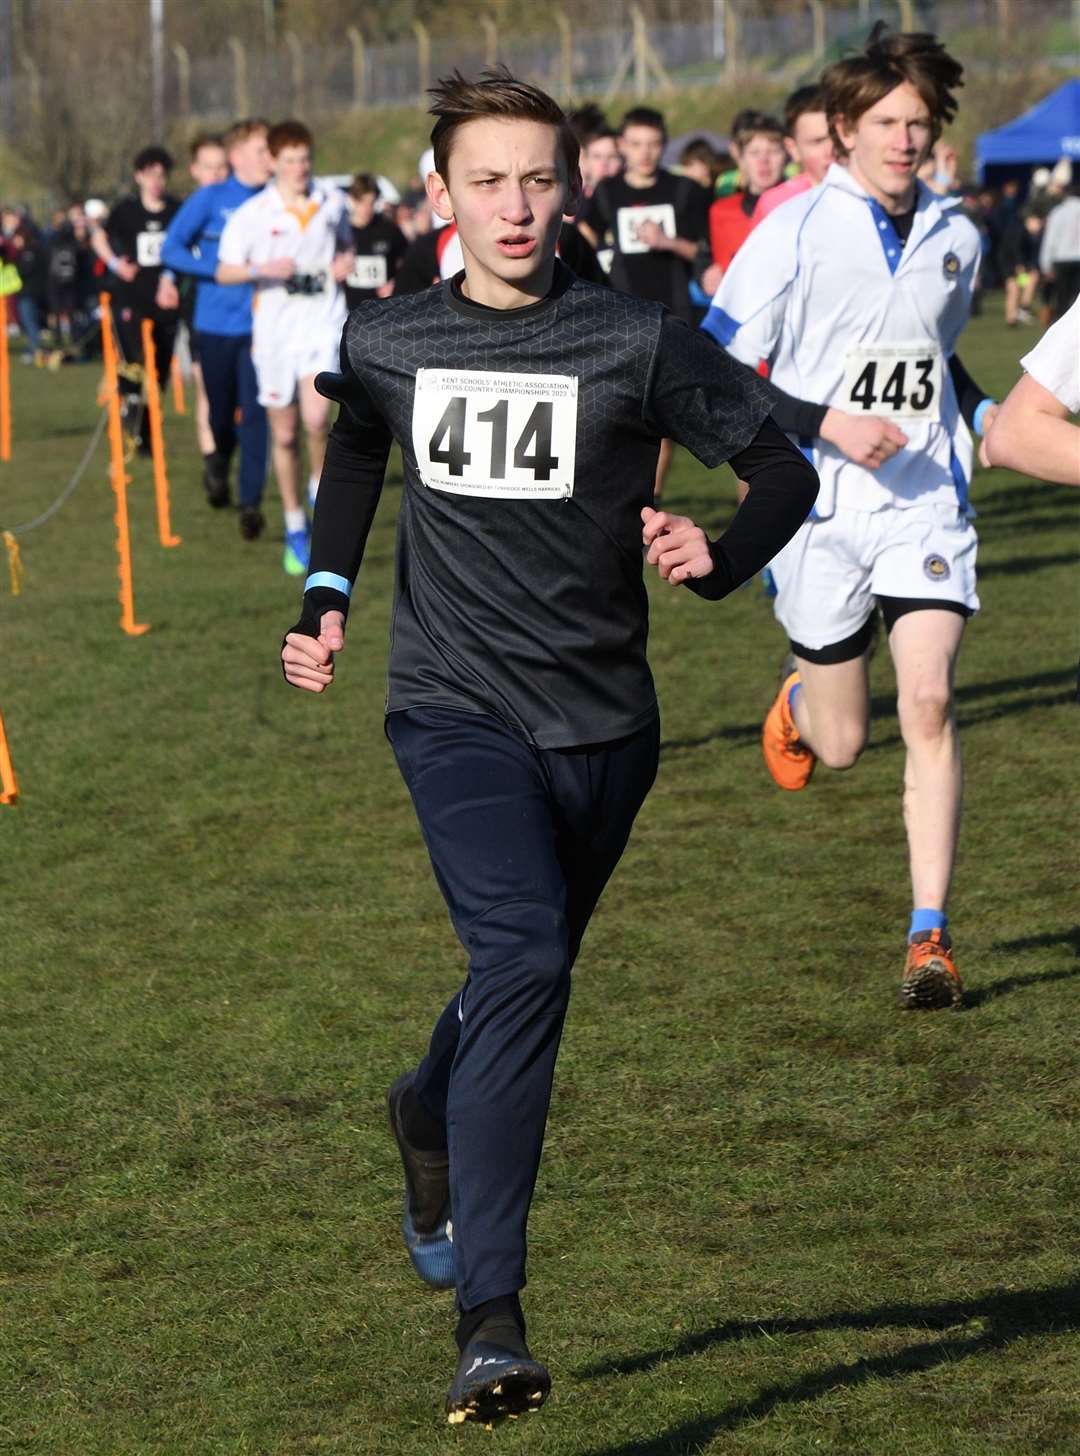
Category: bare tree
[85,96]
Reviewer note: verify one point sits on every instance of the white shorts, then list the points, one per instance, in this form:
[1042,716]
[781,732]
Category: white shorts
[830,573]
[280,369]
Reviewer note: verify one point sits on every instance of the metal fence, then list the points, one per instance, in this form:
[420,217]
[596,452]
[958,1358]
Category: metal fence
[570,60]
[574,61]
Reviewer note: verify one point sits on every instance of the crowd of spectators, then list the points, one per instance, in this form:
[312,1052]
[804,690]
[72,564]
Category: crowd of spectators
[52,277]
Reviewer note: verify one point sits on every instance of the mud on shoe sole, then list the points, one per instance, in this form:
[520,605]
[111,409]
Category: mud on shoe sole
[931,987]
[513,1386]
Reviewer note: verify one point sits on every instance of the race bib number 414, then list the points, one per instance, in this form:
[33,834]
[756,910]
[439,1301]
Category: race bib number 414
[899,381]
[504,436]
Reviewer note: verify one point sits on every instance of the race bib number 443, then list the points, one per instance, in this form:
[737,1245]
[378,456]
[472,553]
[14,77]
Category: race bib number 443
[899,381]
[504,436]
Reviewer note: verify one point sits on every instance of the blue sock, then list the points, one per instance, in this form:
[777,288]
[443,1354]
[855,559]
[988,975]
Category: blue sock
[927,920]
[795,688]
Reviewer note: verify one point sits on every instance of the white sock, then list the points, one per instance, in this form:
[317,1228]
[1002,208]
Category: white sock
[295,520]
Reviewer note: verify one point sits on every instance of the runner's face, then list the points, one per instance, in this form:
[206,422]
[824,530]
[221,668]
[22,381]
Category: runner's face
[811,146]
[507,191]
[600,159]
[699,172]
[641,148]
[292,167]
[362,210]
[251,160]
[152,181]
[888,144]
[762,160]
[208,166]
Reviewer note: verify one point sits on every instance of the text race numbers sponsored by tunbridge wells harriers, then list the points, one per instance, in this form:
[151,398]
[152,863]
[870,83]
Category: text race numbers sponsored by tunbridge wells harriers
[505,436]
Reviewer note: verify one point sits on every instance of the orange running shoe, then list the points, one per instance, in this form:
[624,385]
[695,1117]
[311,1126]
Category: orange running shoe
[790,762]
[931,980]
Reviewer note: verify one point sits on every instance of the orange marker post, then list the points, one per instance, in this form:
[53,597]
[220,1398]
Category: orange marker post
[118,475]
[9,789]
[5,388]
[157,435]
[176,375]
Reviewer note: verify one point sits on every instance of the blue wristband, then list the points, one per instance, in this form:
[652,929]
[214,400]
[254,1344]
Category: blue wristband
[336,583]
[980,413]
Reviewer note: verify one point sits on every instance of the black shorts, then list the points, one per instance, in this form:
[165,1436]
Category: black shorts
[892,609]
[63,298]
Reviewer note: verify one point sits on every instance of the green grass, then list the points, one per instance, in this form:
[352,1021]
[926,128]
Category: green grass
[774,1215]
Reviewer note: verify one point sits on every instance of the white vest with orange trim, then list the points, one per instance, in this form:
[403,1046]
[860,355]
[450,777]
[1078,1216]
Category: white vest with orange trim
[264,228]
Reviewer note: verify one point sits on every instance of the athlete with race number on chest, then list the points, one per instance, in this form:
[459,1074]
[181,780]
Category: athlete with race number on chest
[129,244]
[292,241]
[856,293]
[529,407]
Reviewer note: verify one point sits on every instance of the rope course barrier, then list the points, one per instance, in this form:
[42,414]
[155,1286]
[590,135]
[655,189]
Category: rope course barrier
[69,489]
[109,419]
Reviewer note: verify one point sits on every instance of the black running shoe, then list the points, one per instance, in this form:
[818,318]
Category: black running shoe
[216,482]
[426,1225]
[496,1381]
[252,522]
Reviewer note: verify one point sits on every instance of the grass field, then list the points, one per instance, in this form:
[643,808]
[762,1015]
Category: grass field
[774,1215]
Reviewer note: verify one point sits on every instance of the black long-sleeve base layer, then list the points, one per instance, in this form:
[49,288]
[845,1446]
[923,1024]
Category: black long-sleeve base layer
[804,418]
[783,487]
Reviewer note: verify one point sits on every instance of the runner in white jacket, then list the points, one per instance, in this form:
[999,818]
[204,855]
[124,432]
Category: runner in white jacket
[855,294]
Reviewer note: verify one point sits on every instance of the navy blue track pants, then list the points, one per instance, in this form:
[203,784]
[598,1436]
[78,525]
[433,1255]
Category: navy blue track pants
[522,841]
[235,412]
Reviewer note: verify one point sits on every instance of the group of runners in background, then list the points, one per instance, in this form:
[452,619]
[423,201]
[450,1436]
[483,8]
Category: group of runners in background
[845,285]
[667,233]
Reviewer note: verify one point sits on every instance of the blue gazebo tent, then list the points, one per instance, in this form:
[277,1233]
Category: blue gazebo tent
[1049,131]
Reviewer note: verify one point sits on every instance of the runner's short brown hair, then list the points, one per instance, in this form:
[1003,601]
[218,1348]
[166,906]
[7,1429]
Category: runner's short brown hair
[289,133]
[799,103]
[853,85]
[205,139]
[702,150]
[242,129]
[749,123]
[497,94]
[363,185]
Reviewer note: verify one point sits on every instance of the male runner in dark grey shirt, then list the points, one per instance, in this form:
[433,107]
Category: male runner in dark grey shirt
[529,407]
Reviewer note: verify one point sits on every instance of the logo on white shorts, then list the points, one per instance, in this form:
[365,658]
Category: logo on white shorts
[936,567]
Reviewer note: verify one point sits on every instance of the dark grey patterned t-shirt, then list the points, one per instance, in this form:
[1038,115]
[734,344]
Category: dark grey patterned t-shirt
[530,441]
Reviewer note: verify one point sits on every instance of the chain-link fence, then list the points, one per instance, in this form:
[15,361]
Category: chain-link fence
[570,59]
[77,104]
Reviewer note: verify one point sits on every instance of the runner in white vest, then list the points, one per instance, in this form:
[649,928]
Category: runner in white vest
[856,294]
[293,241]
